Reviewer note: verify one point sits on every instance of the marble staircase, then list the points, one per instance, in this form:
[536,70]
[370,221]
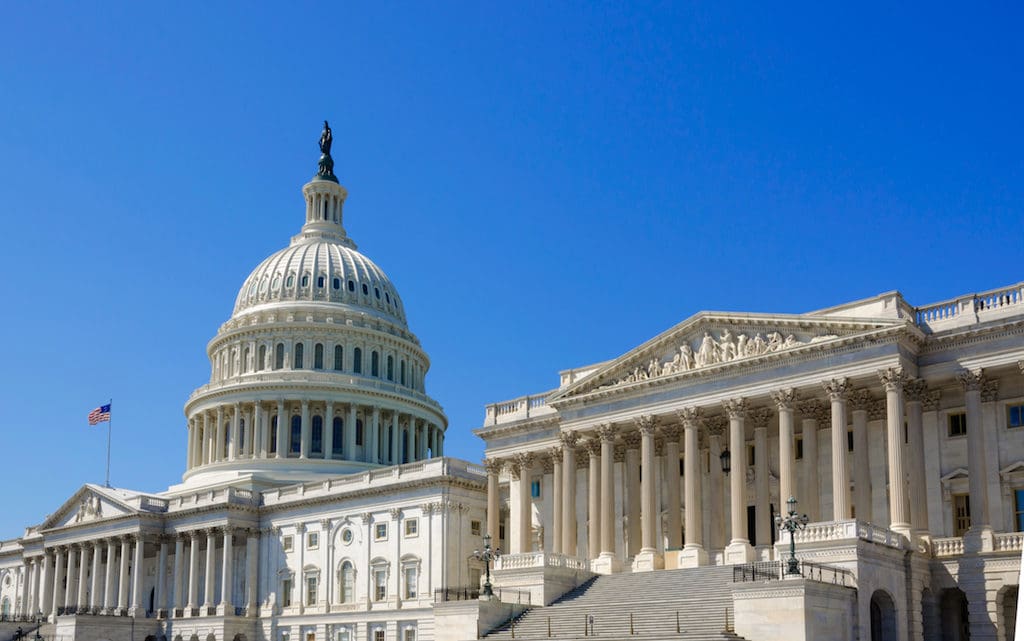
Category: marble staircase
[691,604]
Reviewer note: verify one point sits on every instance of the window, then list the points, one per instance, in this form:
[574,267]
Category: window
[312,540]
[501,531]
[366,290]
[798,450]
[316,438]
[412,527]
[318,356]
[298,356]
[290,282]
[343,635]
[391,368]
[378,634]
[1014,416]
[284,635]
[957,424]
[348,582]
[410,582]
[286,593]
[338,436]
[401,373]
[351,285]
[261,362]
[387,297]
[305,280]
[409,634]
[474,528]
[750,455]
[273,435]
[346,536]
[535,488]
[380,531]
[380,586]
[339,358]
[359,431]
[319,281]
[376,291]
[241,435]
[849,440]
[337,283]
[374,363]
[286,543]
[310,590]
[961,514]
[279,356]
[296,440]
[1018,509]
[357,360]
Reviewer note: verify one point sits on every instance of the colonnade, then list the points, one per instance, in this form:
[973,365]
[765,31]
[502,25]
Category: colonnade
[308,429]
[600,446]
[106,576]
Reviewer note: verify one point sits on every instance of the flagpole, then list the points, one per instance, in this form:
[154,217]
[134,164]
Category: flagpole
[110,419]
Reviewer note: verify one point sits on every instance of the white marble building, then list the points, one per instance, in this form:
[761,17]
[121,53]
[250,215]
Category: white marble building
[316,503]
[899,429]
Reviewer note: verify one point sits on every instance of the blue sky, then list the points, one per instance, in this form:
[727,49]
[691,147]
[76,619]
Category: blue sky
[547,184]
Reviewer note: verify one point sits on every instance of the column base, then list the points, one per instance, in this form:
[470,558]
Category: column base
[979,539]
[648,559]
[693,556]
[904,530]
[738,551]
[607,563]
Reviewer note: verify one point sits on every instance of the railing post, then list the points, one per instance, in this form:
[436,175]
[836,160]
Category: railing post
[631,633]
[677,621]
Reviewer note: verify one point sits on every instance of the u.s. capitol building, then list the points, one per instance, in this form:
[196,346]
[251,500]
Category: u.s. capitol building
[643,497]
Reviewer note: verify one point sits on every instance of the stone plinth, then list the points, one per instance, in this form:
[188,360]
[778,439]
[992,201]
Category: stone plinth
[794,610]
[464,620]
[546,576]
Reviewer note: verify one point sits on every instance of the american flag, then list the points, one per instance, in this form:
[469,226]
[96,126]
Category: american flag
[100,415]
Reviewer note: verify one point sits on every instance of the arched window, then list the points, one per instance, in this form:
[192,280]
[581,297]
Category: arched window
[318,356]
[357,360]
[262,362]
[359,431]
[296,440]
[351,285]
[374,363]
[337,283]
[339,358]
[305,280]
[316,437]
[319,281]
[279,356]
[245,360]
[241,436]
[297,362]
[348,583]
[5,607]
[290,282]
[376,292]
[273,435]
[391,368]
[401,372]
[366,290]
[338,436]
[227,437]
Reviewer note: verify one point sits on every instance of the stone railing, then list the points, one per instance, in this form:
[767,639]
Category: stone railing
[1009,541]
[826,531]
[516,409]
[970,308]
[539,560]
[948,546]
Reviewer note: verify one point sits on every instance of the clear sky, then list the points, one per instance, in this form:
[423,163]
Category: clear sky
[547,184]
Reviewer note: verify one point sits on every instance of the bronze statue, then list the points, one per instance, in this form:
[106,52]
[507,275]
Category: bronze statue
[326,164]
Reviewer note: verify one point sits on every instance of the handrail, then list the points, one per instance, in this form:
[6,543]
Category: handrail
[775,571]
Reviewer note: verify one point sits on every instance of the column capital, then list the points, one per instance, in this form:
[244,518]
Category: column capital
[836,388]
[555,454]
[619,453]
[606,432]
[785,399]
[892,378]
[493,465]
[547,462]
[930,400]
[631,439]
[877,409]
[227,530]
[860,400]
[395,513]
[582,458]
[593,446]
[810,408]
[760,416]
[659,445]
[427,508]
[690,416]
[646,424]
[915,389]
[715,425]
[569,439]
[989,390]
[971,380]
[671,432]
[366,518]
[736,407]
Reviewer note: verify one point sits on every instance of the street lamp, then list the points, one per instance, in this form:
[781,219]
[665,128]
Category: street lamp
[487,556]
[726,458]
[791,523]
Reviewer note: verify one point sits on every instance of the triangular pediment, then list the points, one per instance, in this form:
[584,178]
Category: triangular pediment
[716,341]
[89,503]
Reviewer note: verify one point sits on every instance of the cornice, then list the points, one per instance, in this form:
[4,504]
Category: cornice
[526,425]
[284,329]
[970,335]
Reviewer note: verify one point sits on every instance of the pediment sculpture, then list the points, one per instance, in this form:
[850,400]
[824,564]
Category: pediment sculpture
[90,508]
[710,350]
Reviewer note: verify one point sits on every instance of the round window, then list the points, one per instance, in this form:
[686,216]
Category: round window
[346,536]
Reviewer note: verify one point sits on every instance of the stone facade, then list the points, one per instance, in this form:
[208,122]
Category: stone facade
[899,429]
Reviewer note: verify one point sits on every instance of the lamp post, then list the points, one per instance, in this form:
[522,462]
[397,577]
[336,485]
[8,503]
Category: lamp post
[487,555]
[726,458]
[791,523]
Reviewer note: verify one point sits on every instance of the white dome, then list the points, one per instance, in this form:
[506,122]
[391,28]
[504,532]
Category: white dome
[325,270]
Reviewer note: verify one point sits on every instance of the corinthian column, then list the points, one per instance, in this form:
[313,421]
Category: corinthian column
[94,591]
[211,569]
[493,467]
[69,592]
[899,513]
[810,411]
[58,580]
[860,401]
[522,468]
[915,392]
[649,558]
[109,603]
[715,426]
[673,504]
[227,573]
[568,493]
[555,456]
[837,389]
[972,383]
[762,499]
[738,550]
[693,554]
[137,573]
[784,402]
[593,446]
[608,561]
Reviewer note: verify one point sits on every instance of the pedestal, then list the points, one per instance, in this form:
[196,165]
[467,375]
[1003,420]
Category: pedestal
[606,564]
[693,557]
[647,560]
[979,539]
[738,552]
